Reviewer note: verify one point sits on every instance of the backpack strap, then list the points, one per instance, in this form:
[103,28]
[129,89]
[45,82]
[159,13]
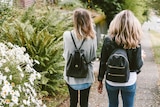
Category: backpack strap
[75,43]
[79,47]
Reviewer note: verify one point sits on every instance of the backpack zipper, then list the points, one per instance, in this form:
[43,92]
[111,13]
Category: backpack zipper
[110,66]
[116,75]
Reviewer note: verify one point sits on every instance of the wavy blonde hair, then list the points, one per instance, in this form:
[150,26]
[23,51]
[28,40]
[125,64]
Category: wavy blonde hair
[83,24]
[126,29]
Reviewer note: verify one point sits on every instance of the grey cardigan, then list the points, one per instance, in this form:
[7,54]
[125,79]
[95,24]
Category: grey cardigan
[89,46]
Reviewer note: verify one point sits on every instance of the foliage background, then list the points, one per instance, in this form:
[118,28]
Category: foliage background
[155,5]
[112,7]
[40,31]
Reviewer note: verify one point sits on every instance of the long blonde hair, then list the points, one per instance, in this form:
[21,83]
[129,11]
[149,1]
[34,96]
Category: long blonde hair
[83,25]
[126,29]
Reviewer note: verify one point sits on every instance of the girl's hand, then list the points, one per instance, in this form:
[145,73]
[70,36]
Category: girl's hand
[100,87]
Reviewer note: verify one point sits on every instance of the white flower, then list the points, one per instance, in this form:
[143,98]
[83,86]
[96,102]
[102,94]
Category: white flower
[33,100]
[39,102]
[22,75]
[6,69]
[2,78]
[11,104]
[10,77]
[23,49]
[19,68]
[17,93]
[2,61]
[6,89]
[10,44]
[19,88]
[2,49]
[37,62]
[32,78]
[3,94]
[24,102]
[44,105]
[28,68]
[38,75]
[28,102]
[15,99]
[21,105]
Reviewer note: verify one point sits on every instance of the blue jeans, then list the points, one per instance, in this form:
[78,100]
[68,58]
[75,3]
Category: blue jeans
[127,94]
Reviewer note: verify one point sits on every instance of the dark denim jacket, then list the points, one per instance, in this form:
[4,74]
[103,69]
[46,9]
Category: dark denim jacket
[134,57]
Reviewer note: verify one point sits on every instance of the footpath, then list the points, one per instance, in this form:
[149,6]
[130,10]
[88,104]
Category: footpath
[147,94]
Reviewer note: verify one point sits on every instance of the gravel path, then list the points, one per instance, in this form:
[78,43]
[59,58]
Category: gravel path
[147,84]
[148,94]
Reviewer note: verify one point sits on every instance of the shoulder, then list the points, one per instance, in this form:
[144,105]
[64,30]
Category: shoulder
[108,42]
[91,39]
[137,48]
[66,35]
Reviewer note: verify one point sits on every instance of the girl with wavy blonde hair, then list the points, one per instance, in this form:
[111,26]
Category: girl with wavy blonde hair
[124,32]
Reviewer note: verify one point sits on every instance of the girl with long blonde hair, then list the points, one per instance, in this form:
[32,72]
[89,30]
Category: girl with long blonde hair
[124,32]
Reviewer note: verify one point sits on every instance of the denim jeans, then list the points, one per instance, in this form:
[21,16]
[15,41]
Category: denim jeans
[84,94]
[127,94]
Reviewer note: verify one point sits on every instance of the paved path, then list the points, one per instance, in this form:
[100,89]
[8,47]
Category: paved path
[147,84]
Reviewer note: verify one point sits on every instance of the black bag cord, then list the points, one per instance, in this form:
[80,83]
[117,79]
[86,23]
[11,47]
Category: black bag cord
[79,47]
[75,43]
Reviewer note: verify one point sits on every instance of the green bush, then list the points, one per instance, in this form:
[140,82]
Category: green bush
[41,35]
[5,13]
[139,8]
[70,4]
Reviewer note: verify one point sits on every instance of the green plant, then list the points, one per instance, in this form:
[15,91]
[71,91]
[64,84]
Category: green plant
[112,7]
[70,4]
[41,34]
[18,79]
[154,5]
[5,13]
[155,38]
[138,7]
[55,21]
[42,46]
[109,7]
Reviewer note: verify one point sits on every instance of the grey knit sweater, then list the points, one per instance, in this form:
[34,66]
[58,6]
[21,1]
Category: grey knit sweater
[89,46]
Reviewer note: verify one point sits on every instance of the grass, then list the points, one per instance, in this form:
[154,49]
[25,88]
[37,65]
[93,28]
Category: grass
[155,38]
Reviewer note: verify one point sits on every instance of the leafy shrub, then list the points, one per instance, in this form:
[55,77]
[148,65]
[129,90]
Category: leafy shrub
[17,78]
[138,7]
[42,37]
[70,4]
[5,12]
[55,21]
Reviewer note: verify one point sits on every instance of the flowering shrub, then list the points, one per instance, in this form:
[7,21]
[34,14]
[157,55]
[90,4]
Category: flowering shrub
[17,78]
